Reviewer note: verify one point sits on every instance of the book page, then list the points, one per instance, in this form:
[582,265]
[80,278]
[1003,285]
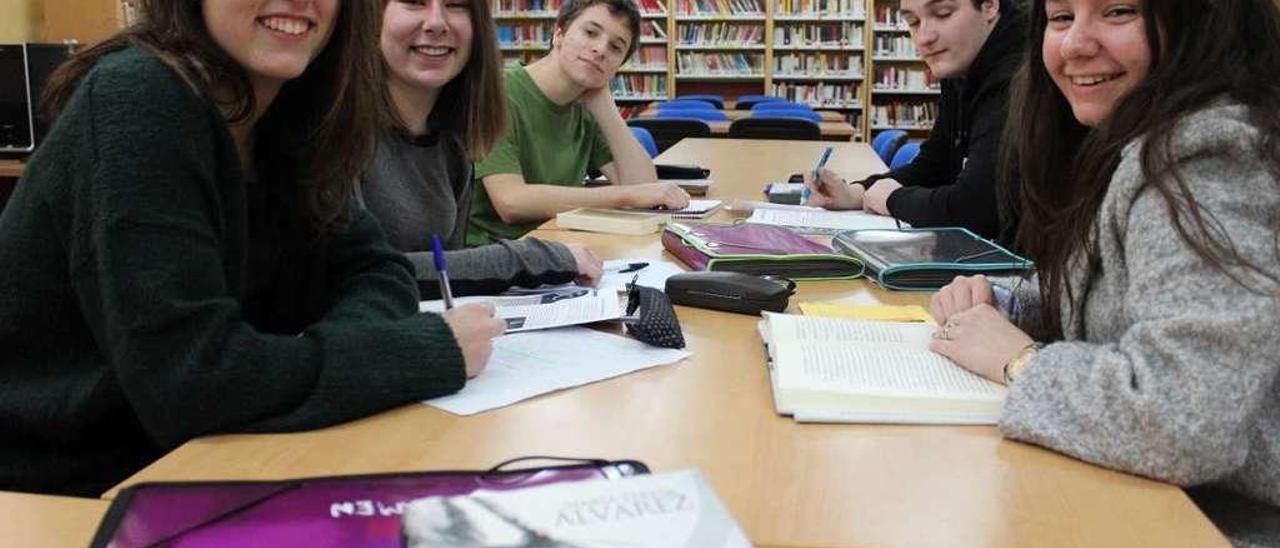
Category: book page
[877,370]
[790,327]
[559,308]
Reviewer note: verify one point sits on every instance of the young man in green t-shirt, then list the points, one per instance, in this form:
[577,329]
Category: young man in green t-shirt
[562,122]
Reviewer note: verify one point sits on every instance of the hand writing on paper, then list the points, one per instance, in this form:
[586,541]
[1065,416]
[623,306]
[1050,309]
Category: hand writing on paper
[590,269]
[474,327]
[831,192]
[876,200]
[652,195]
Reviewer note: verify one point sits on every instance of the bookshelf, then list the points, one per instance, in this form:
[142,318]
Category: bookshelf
[851,56]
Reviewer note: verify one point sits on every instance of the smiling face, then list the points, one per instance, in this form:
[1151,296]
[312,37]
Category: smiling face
[274,40]
[1097,53]
[594,46]
[949,33]
[426,43]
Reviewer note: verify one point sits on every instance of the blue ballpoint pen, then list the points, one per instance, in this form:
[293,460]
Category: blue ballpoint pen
[437,253]
[822,162]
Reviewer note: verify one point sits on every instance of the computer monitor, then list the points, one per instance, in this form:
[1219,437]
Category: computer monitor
[42,60]
[17,133]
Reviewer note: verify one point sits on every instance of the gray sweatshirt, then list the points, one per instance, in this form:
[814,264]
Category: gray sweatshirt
[417,187]
[1169,368]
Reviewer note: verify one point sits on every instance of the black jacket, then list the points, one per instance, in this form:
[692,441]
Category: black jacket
[953,180]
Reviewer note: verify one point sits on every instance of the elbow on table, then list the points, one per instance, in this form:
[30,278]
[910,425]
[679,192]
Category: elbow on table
[1197,452]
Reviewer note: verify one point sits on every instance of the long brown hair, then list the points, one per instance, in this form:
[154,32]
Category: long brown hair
[331,107]
[1201,50]
[473,105]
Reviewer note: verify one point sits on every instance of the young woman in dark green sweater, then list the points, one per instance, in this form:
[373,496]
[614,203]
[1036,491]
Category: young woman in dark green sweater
[183,258]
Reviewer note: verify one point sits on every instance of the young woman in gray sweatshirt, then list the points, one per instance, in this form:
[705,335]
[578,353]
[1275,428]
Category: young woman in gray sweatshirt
[1148,144]
[444,88]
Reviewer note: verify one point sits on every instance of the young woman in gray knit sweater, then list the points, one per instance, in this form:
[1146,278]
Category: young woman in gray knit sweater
[444,88]
[1147,135]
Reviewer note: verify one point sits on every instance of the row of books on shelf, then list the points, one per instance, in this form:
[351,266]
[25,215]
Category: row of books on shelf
[525,6]
[894,46]
[904,114]
[889,16]
[525,34]
[818,95]
[905,79]
[649,57]
[720,34]
[830,8]
[829,34]
[651,7]
[639,86]
[720,7]
[653,30]
[817,64]
[738,64]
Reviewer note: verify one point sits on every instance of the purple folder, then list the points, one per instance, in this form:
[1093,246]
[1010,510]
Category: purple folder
[315,512]
[756,249]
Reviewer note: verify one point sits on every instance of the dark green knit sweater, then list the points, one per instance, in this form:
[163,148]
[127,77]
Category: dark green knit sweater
[149,294]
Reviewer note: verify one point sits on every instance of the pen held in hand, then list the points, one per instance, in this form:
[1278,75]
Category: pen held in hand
[437,253]
[817,175]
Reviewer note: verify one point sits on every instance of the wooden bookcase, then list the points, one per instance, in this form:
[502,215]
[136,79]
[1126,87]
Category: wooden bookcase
[84,21]
[851,56]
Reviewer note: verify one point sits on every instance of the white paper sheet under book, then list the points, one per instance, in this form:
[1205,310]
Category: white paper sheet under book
[821,221]
[558,308]
[525,365]
[674,509]
[653,275]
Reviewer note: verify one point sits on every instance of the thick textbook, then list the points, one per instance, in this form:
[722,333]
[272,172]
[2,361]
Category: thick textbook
[755,249]
[662,510]
[836,370]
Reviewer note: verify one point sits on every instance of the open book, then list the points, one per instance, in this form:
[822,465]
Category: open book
[835,370]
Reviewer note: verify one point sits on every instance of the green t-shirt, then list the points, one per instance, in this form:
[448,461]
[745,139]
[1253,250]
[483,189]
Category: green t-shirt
[545,143]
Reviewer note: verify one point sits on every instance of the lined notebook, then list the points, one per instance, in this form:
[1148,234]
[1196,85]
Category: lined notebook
[820,221]
[834,370]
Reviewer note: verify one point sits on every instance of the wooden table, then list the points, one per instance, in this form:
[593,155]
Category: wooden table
[10,169]
[34,521]
[787,484]
[841,131]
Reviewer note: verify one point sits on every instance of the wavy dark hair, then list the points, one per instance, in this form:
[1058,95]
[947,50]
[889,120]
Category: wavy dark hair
[473,105]
[331,107]
[1201,50]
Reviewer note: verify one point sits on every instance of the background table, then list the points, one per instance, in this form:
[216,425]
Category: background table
[787,484]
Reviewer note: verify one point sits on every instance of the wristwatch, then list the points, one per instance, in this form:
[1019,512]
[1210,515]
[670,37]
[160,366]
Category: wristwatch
[1015,366]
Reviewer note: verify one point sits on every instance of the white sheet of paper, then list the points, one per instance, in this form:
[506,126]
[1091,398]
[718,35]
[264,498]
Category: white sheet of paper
[655,275]
[695,209]
[821,221]
[574,306]
[525,365]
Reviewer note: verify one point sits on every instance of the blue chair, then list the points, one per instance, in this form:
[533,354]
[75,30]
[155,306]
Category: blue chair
[886,143]
[686,104]
[745,102]
[772,106]
[646,140]
[716,100]
[905,155]
[707,115]
[787,113]
[669,131]
[791,128]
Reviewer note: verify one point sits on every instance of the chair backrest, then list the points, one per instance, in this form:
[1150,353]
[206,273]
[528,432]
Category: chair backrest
[905,154]
[775,127]
[745,102]
[790,113]
[707,114]
[715,100]
[646,140]
[669,131]
[780,105]
[886,143]
[686,104]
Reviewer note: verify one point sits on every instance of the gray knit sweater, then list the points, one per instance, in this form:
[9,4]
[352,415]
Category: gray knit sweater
[417,187]
[1169,368]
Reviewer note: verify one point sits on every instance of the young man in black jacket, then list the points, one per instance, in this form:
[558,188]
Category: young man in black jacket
[974,46]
